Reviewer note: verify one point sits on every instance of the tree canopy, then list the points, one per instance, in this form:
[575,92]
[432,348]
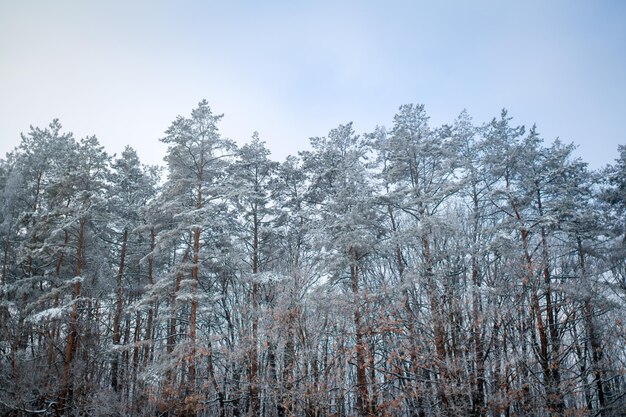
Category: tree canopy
[453,270]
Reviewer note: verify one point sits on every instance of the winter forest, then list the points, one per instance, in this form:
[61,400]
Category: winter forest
[416,270]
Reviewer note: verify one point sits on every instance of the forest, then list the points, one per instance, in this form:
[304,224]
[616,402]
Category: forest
[416,270]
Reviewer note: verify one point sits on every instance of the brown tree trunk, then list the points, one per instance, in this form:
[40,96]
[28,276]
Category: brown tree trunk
[478,395]
[362,397]
[253,355]
[596,346]
[135,368]
[117,316]
[149,322]
[285,403]
[478,382]
[125,372]
[65,240]
[535,308]
[535,311]
[193,312]
[555,397]
[70,344]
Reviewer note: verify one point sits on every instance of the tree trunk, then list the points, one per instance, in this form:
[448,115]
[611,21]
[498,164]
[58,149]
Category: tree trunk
[362,397]
[192,401]
[555,397]
[70,344]
[135,366]
[535,311]
[172,373]
[117,316]
[149,322]
[414,401]
[5,259]
[213,380]
[253,355]
[596,346]
[438,328]
[285,403]
[478,390]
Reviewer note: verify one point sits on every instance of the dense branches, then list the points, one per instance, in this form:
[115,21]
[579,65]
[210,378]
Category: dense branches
[454,270]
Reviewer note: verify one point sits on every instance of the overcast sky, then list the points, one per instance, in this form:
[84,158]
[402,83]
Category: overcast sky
[123,70]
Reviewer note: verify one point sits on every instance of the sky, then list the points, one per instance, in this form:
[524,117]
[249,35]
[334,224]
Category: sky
[291,70]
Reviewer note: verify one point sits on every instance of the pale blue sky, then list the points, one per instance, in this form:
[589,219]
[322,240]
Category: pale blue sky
[124,70]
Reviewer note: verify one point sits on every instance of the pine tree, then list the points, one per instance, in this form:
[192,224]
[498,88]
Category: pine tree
[197,156]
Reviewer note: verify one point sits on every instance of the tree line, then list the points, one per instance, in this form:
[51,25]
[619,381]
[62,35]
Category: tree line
[458,270]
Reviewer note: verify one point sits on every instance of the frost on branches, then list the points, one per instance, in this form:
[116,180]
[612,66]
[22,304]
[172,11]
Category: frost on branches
[416,270]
